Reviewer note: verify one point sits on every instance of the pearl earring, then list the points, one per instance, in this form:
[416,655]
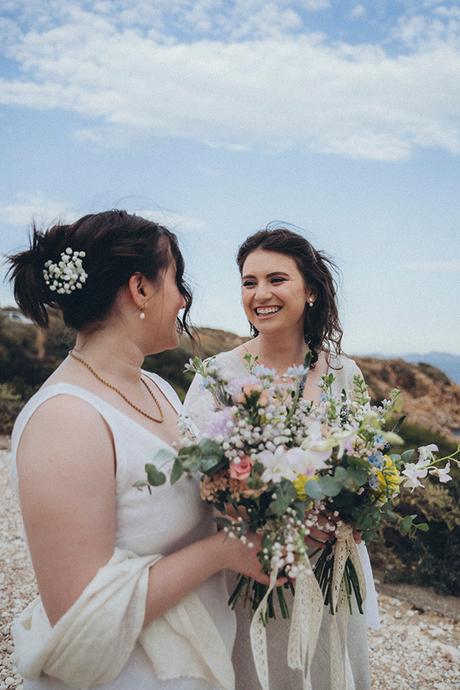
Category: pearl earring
[311,303]
[142,314]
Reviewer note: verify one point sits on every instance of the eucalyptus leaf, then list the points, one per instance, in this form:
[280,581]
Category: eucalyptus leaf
[210,447]
[340,474]
[154,476]
[330,486]
[313,489]
[177,471]
[209,463]
[285,495]
[164,455]
[358,476]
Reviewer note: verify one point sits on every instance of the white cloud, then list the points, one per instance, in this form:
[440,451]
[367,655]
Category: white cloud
[27,208]
[255,88]
[177,222]
[24,209]
[424,30]
[443,266]
[316,5]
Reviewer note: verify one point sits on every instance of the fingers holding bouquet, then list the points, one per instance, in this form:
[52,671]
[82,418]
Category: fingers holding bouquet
[322,528]
[242,556]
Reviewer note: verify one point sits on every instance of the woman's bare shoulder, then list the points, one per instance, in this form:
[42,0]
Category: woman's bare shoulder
[65,429]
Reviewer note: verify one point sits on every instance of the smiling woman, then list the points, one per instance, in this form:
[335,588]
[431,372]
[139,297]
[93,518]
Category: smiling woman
[289,298]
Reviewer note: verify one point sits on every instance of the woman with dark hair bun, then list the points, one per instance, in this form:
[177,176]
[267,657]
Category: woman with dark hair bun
[132,592]
[289,297]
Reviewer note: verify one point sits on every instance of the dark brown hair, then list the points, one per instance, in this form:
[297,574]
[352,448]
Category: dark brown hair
[117,244]
[322,329]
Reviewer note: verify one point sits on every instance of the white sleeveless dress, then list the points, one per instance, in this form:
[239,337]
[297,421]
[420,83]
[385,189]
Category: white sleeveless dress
[198,403]
[168,520]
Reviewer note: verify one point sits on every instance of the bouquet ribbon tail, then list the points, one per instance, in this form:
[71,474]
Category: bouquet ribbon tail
[258,635]
[304,630]
[345,548]
[306,619]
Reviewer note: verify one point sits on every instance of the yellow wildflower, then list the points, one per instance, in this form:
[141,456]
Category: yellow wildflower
[299,486]
[388,477]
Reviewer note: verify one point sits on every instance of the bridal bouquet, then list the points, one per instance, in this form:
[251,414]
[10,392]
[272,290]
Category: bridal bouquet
[274,463]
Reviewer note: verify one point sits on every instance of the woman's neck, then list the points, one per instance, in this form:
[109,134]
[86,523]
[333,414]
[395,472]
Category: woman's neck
[279,351]
[110,355]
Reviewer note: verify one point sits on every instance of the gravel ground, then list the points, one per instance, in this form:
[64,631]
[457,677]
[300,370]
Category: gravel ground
[413,650]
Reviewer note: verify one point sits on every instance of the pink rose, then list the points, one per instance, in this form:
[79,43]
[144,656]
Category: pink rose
[240,468]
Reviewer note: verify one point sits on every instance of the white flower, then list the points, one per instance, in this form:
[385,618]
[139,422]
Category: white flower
[414,472]
[425,453]
[344,438]
[315,443]
[277,465]
[442,473]
[308,461]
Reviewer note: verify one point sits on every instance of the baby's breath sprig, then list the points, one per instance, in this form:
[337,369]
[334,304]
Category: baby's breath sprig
[66,275]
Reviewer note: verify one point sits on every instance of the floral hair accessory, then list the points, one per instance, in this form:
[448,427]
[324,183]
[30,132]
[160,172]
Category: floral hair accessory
[68,274]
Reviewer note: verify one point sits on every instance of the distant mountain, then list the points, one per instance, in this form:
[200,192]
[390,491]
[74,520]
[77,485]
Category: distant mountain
[449,364]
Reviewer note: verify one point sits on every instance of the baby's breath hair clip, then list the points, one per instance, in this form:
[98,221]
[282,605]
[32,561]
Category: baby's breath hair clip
[68,274]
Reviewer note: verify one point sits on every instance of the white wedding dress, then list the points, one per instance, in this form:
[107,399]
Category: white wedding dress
[170,519]
[198,404]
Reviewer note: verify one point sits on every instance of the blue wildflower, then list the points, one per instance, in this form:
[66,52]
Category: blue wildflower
[376,460]
[373,481]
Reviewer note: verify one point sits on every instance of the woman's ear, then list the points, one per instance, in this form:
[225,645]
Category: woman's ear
[137,289]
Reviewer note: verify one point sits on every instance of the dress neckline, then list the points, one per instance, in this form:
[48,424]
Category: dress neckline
[233,354]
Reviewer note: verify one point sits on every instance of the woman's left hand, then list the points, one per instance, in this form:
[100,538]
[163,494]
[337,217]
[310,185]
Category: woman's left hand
[322,534]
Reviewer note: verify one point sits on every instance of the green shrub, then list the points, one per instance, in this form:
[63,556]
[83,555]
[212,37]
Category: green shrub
[10,406]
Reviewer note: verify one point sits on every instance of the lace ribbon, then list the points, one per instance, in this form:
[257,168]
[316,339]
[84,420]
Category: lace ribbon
[306,619]
[345,548]
[304,630]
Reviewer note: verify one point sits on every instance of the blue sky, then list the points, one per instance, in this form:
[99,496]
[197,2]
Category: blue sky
[216,118]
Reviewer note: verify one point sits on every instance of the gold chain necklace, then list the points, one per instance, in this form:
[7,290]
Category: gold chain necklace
[122,395]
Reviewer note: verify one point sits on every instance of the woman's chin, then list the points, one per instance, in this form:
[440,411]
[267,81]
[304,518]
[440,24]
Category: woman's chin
[270,326]
[165,344]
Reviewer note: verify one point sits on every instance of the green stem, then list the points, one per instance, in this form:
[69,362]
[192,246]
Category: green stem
[242,580]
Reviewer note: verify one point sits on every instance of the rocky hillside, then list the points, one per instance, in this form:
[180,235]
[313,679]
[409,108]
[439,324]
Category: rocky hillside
[431,399]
